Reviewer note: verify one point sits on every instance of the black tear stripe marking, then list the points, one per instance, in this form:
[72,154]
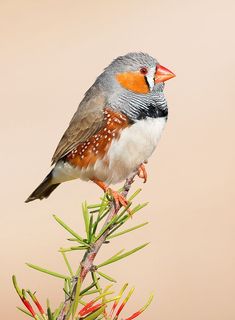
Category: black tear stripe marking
[146,81]
[151,111]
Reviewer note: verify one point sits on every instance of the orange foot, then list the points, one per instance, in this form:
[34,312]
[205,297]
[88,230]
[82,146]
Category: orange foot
[117,197]
[142,173]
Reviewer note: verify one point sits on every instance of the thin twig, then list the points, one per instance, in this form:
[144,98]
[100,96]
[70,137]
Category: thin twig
[89,256]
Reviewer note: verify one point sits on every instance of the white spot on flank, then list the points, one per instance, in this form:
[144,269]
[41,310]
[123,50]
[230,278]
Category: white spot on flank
[135,145]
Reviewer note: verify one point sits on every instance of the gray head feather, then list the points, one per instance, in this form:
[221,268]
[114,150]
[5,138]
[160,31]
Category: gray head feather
[131,62]
[121,99]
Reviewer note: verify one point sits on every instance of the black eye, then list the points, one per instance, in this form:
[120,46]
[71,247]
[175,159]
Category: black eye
[144,70]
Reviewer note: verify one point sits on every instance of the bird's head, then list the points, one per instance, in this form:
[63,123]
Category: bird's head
[138,72]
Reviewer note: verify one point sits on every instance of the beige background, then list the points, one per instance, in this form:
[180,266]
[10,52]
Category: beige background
[51,52]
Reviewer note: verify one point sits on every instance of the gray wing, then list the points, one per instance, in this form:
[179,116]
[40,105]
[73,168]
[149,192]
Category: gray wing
[87,121]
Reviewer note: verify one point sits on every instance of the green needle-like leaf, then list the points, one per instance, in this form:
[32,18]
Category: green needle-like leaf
[104,214]
[103,210]
[124,303]
[107,226]
[72,239]
[106,276]
[96,281]
[117,226]
[67,263]
[66,293]
[134,194]
[76,297]
[25,311]
[118,299]
[123,219]
[72,248]
[139,207]
[57,311]
[88,288]
[148,303]
[116,255]
[137,313]
[126,231]
[52,273]
[86,218]
[103,206]
[95,314]
[90,233]
[78,270]
[18,290]
[105,293]
[24,293]
[94,206]
[49,313]
[124,211]
[90,292]
[82,302]
[66,288]
[66,227]
[122,256]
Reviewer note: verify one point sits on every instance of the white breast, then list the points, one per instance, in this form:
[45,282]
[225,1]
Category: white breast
[135,145]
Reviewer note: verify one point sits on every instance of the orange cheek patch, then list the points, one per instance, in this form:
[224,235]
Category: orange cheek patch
[133,81]
[96,147]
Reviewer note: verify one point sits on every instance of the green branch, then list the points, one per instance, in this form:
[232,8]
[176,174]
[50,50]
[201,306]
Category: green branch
[102,222]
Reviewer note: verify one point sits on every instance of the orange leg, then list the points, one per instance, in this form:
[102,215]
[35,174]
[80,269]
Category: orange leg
[118,198]
[142,173]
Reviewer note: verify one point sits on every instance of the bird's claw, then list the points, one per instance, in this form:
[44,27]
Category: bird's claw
[142,173]
[118,198]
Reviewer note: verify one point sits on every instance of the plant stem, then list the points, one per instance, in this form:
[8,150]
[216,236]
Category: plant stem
[86,264]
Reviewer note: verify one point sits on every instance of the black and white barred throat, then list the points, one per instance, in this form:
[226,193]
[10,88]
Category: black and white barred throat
[138,107]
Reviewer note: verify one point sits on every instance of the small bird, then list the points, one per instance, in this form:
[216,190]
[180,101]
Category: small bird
[115,129]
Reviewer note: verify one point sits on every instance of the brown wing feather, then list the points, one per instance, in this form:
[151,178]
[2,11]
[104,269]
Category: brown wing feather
[87,120]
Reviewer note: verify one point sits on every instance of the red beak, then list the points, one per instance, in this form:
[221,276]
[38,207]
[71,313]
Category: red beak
[163,74]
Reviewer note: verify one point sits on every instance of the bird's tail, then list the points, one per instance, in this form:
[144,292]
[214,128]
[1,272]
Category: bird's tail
[44,189]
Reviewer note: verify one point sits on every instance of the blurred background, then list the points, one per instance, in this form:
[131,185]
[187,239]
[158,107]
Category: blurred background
[51,52]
